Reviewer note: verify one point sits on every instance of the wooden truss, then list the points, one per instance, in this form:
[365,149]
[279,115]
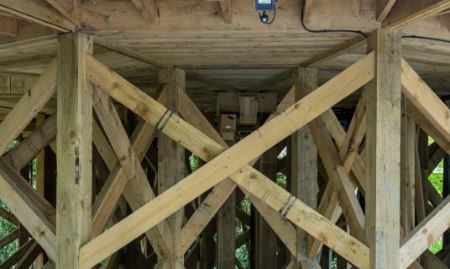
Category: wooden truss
[74,236]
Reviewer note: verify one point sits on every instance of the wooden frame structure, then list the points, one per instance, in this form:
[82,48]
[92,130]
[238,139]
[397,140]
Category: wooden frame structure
[376,159]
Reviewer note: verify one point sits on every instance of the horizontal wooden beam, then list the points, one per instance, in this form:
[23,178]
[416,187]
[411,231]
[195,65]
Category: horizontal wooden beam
[222,166]
[40,14]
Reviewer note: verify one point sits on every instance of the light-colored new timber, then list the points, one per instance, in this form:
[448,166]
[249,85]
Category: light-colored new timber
[74,149]
[222,166]
[383,151]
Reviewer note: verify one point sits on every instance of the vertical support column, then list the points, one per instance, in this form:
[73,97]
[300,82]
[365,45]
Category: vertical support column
[383,151]
[74,149]
[408,154]
[304,173]
[446,192]
[226,226]
[40,183]
[265,248]
[171,166]
[226,242]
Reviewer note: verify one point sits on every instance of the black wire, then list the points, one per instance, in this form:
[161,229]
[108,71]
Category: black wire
[426,38]
[359,32]
[326,30]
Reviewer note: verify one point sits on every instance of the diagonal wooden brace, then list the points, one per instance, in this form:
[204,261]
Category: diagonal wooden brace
[226,164]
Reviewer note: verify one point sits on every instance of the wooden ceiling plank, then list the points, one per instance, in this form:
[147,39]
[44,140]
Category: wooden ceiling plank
[29,10]
[68,8]
[8,26]
[406,11]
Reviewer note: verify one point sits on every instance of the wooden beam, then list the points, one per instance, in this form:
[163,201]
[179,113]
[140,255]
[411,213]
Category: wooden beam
[40,188]
[408,150]
[68,8]
[131,171]
[210,174]
[74,149]
[339,178]
[17,256]
[426,102]
[9,216]
[148,10]
[383,8]
[30,10]
[428,231]
[7,239]
[335,52]
[106,201]
[221,192]
[264,238]
[171,166]
[405,11]
[216,84]
[33,212]
[329,206]
[227,10]
[383,151]
[285,75]
[303,216]
[226,226]
[8,26]
[28,106]
[32,145]
[30,256]
[303,156]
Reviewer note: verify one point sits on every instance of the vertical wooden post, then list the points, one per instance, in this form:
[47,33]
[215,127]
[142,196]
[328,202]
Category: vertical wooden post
[226,241]
[265,248]
[408,154]
[226,225]
[446,192]
[40,182]
[383,151]
[171,166]
[304,173]
[74,148]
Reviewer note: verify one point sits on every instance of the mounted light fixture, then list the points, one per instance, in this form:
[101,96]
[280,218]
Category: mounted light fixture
[265,8]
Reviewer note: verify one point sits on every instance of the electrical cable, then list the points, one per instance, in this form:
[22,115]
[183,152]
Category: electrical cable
[359,31]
